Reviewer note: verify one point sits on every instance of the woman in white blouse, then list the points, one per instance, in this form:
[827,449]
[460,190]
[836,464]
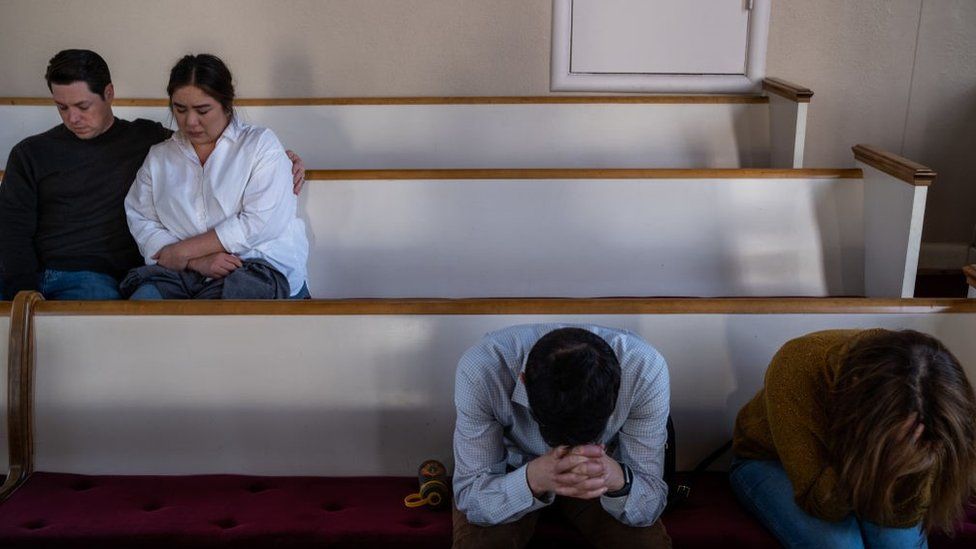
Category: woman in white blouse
[212,208]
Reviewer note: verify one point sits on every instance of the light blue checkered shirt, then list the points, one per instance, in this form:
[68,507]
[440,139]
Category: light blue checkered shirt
[495,436]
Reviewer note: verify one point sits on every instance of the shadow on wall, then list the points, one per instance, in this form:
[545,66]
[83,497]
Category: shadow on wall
[754,151]
[945,141]
[840,224]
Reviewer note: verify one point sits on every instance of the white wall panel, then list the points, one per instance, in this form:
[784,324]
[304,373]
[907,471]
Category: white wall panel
[892,233]
[354,395]
[660,36]
[583,238]
[486,136]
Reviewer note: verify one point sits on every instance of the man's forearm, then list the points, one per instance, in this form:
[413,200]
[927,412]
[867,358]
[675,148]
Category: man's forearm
[497,499]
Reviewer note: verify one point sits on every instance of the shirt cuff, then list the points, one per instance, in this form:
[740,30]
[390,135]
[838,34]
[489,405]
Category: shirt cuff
[614,506]
[231,235]
[517,484]
[157,242]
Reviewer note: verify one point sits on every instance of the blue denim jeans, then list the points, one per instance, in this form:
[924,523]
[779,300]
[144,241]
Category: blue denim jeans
[763,487]
[78,285]
[148,292]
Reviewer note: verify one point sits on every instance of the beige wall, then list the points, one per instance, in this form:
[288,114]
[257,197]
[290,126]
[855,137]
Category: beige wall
[858,56]
[298,48]
[897,73]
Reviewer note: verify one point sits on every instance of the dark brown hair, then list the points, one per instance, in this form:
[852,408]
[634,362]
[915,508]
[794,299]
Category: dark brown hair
[206,72]
[70,66]
[572,377]
[887,386]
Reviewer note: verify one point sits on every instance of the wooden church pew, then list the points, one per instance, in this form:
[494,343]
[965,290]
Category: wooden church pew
[600,233]
[355,388]
[612,232]
[638,131]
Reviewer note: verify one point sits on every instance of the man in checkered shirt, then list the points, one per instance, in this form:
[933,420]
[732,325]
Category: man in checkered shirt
[569,416]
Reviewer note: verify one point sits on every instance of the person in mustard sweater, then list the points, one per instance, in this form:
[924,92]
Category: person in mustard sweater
[858,439]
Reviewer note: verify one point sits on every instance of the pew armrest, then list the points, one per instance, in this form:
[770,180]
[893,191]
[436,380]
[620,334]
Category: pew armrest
[789,90]
[896,166]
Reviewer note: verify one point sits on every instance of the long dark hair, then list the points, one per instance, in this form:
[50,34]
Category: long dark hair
[887,387]
[206,72]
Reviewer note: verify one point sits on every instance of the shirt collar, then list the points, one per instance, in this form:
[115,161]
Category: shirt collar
[232,132]
[520,395]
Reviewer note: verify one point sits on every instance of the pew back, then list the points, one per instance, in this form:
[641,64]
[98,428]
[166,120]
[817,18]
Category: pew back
[540,132]
[366,387]
[586,233]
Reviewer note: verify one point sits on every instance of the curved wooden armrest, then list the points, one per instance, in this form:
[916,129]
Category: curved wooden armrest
[20,392]
[789,90]
[902,168]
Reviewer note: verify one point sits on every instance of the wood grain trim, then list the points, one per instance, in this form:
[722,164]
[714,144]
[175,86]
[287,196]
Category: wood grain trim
[509,306]
[970,272]
[902,168]
[581,173]
[789,90]
[584,173]
[20,392]
[470,100]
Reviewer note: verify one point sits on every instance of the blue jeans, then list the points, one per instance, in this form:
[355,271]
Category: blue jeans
[78,285]
[763,487]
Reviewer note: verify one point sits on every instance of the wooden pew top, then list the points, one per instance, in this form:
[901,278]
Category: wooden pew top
[581,173]
[464,100]
[509,306]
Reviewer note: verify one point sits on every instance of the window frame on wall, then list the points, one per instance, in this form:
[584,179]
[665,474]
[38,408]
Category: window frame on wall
[562,78]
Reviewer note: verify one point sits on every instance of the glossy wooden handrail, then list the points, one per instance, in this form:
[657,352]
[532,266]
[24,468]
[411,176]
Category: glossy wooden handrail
[509,306]
[789,90]
[896,166]
[461,100]
[582,173]
[586,173]
[20,392]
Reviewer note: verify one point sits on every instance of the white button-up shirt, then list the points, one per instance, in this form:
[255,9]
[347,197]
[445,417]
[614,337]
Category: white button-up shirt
[243,192]
[495,436]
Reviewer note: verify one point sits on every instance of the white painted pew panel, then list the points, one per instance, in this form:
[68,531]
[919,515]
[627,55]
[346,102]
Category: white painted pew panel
[699,135]
[354,395]
[798,236]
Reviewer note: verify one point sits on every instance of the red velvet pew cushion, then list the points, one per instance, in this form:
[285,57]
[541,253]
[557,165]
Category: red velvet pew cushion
[63,510]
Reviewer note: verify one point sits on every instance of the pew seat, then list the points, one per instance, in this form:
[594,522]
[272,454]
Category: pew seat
[60,510]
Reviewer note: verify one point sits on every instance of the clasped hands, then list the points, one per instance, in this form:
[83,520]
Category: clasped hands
[216,265]
[583,472]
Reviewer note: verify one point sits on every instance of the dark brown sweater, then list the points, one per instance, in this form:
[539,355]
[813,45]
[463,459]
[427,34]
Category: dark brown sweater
[61,202]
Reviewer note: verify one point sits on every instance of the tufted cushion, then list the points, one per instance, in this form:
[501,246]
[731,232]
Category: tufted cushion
[64,510]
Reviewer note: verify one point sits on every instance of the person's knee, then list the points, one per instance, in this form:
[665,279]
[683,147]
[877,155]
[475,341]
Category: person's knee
[79,285]
[146,292]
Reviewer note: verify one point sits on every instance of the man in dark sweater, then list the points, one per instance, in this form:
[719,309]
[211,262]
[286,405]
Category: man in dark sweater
[63,229]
